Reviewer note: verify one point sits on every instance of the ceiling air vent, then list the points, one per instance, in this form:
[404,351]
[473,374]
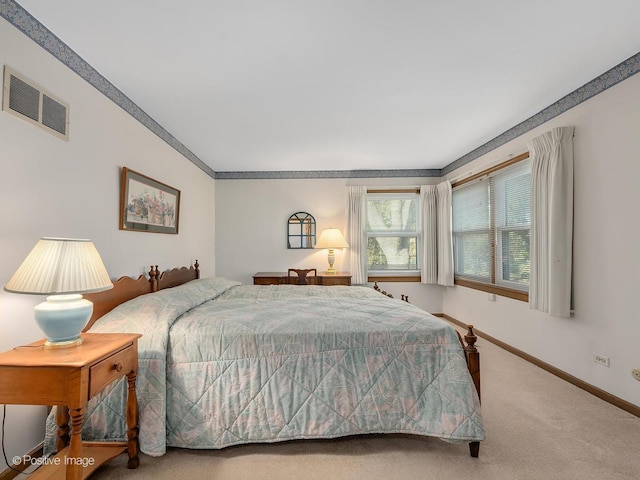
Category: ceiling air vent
[27,100]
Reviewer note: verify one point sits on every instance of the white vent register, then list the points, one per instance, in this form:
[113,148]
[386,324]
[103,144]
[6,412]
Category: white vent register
[27,100]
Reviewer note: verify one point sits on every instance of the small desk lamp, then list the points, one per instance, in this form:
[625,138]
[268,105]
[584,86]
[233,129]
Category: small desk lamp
[331,238]
[62,268]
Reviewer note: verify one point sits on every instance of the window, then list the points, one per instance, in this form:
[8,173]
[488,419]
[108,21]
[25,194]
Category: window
[393,232]
[491,227]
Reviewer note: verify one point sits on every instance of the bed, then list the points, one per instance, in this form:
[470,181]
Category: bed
[223,364]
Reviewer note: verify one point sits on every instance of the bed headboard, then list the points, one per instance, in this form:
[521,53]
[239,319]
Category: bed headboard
[126,288]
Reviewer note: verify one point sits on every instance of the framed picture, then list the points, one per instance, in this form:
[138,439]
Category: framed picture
[147,205]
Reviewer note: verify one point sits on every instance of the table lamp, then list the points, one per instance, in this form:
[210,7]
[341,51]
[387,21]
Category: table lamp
[331,238]
[62,268]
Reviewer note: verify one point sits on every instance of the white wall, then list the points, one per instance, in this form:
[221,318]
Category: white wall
[251,217]
[49,187]
[606,254]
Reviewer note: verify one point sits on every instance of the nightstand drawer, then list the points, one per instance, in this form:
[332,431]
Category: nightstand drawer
[267,281]
[332,281]
[117,365]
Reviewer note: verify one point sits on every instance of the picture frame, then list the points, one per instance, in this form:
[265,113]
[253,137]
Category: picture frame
[147,205]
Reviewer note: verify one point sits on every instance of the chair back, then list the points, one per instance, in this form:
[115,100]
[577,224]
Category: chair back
[302,276]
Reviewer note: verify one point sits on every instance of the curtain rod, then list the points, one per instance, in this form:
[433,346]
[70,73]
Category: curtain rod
[470,176]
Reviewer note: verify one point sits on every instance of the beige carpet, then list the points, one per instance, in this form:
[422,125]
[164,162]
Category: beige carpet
[538,427]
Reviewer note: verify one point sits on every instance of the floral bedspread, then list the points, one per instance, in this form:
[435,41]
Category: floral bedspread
[222,364]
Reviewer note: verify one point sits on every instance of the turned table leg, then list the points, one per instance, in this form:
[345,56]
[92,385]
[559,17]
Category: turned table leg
[132,422]
[74,459]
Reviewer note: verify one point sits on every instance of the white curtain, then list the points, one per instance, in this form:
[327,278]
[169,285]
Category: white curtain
[357,233]
[429,270]
[551,221]
[437,240]
[445,235]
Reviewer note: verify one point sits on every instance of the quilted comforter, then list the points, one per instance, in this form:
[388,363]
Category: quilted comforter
[222,364]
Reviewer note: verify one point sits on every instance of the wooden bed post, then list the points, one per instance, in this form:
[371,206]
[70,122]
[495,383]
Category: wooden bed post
[473,357]
[153,278]
[473,362]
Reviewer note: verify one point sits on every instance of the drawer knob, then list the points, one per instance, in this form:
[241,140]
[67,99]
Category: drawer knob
[117,367]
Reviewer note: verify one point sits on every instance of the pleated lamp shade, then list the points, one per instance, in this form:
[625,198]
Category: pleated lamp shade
[61,265]
[62,269]
[331,238]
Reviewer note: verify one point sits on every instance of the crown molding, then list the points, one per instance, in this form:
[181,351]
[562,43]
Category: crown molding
[277,175]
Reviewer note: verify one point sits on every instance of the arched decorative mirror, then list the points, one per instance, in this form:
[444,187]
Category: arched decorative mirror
[301,230]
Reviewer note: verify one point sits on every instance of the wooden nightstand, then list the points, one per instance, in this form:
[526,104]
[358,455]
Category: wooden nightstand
[68,378]
[279,278]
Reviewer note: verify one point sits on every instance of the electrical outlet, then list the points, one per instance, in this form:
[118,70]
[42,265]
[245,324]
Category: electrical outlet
[636,373]
[601,359]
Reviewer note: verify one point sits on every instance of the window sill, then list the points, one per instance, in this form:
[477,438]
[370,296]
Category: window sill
[502,291]
[393,278]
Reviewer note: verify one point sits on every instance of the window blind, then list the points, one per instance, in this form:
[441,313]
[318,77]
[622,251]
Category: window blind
[491,227]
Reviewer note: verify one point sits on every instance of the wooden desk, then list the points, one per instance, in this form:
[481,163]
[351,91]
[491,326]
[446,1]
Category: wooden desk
[68,378]
[280,278]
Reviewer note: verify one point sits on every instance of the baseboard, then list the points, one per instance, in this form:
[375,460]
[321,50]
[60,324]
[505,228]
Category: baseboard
[10,473]
[603,395]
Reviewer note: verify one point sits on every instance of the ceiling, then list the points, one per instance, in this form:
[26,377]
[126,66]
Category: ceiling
[303,85]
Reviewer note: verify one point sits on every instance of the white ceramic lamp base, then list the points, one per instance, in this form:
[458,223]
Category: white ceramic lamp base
[332,259]
[62,318]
